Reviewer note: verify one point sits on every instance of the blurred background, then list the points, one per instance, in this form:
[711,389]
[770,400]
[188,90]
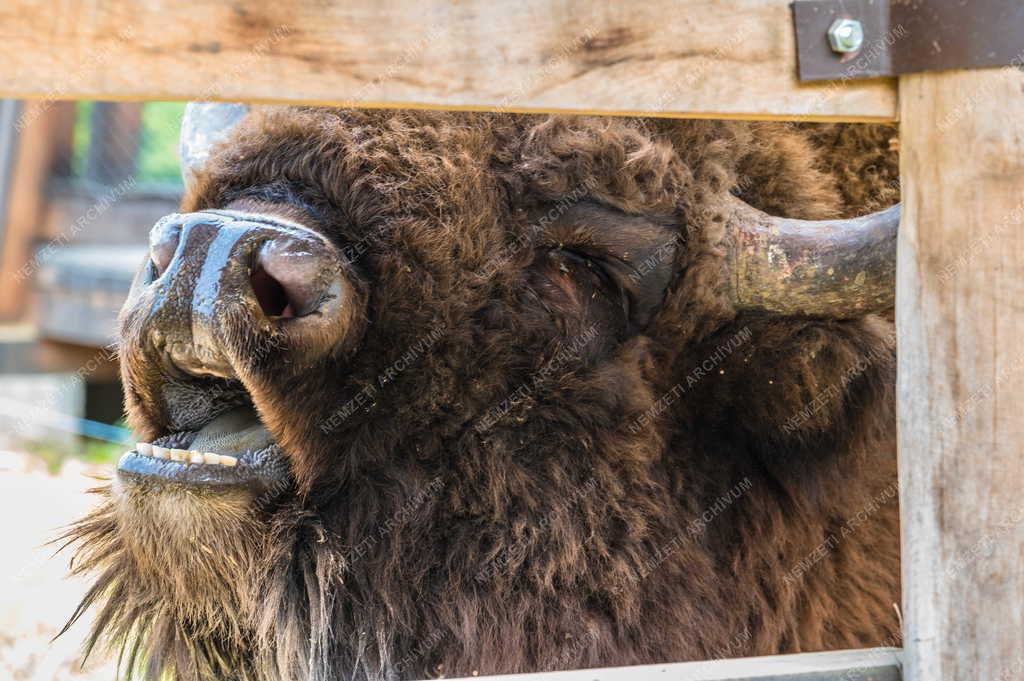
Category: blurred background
[80,185]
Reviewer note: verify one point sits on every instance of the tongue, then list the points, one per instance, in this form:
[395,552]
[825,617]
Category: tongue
[234,432]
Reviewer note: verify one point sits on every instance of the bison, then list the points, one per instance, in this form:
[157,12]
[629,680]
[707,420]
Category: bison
[436,394]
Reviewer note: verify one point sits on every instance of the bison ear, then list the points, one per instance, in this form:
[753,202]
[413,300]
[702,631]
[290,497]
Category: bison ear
[204,125]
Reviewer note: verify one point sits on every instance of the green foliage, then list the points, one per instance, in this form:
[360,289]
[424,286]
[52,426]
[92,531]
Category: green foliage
[157,161]
[81,137]
[158,151]
[96,451]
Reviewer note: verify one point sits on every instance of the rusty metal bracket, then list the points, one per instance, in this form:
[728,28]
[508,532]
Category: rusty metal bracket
[852,39]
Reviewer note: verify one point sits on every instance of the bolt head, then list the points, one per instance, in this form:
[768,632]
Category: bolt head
[846,35]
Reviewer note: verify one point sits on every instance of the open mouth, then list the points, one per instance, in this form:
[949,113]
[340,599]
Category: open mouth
[233,450]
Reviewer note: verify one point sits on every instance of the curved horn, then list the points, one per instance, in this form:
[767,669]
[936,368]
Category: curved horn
[830,268]
[204,125]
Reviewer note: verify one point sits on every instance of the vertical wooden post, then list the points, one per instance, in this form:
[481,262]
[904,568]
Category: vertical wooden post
[960,320]
[44,131]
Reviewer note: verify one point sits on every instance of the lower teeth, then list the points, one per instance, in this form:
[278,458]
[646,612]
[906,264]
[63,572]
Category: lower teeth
[185,456]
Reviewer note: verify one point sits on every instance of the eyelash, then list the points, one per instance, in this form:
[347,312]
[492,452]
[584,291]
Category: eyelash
[581,259]
[592,264]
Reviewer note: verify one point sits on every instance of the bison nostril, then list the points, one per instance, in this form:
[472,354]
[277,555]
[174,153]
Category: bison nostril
[270,294]
[291,278]
[162,249]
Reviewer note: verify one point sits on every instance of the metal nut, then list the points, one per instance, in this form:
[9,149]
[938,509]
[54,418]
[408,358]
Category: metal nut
[846,35]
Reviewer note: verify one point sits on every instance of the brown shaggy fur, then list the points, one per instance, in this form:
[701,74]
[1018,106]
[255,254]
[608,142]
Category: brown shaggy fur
[683,485]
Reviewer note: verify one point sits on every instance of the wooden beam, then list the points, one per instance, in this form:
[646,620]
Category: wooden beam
[43,144]
[873,664]
[698,58]
[10,111]
[960,320]
[40,356]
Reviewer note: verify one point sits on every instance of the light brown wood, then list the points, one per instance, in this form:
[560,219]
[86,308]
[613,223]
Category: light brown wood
[34,355]
[871,664]
[700,58]
[43,144]
[960,320]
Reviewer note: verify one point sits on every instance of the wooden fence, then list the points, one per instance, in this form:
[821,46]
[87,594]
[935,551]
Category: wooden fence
[960,315]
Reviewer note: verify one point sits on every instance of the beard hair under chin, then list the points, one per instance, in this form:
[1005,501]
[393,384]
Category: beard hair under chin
[174,575]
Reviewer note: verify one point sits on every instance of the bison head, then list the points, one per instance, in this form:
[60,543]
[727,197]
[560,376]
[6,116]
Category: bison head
[431,393]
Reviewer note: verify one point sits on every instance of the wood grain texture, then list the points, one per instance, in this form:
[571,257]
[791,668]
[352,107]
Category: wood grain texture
[700,58]
[872,664]
[960,322]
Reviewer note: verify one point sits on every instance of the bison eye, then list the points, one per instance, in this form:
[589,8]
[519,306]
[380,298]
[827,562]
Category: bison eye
[580,285]
[582,267]
[595,261]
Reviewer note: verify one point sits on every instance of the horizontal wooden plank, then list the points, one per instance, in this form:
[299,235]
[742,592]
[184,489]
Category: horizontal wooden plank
[82,288]
[873,664]
[30,354]
[696,58]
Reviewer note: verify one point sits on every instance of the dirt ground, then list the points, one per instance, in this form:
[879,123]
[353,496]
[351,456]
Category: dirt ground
[37,596]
